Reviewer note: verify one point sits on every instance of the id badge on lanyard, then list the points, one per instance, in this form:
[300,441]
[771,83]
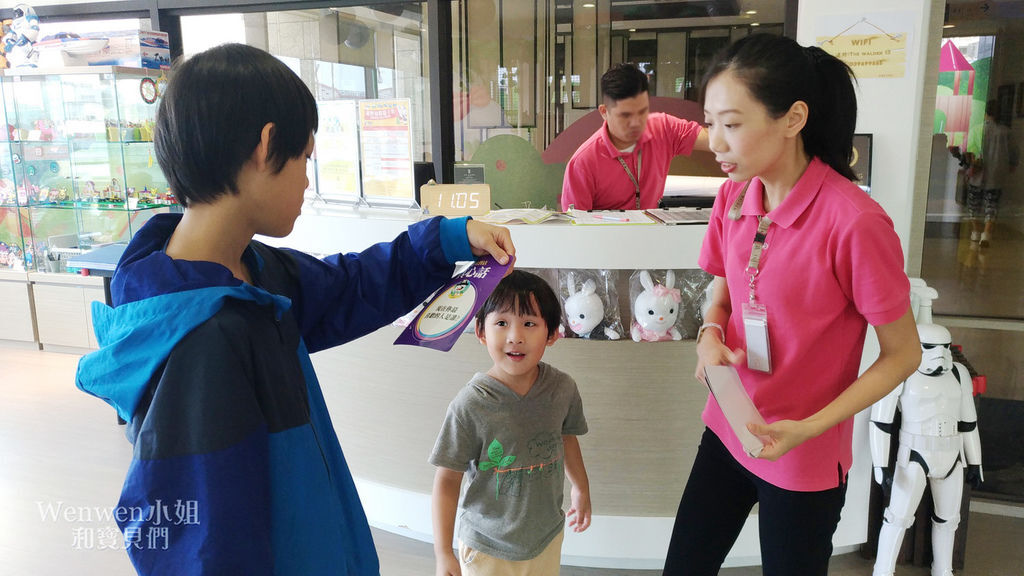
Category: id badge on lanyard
[755,324]
[755,314]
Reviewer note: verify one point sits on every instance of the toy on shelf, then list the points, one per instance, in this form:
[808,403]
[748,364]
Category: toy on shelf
[585,311]
[937,433]
[656,309]
[19,38]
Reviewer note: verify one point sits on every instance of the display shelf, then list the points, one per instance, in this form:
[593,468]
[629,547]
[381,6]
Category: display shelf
[82,158]
[12,233]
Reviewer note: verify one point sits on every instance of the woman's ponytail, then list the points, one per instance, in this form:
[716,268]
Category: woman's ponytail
[833,111]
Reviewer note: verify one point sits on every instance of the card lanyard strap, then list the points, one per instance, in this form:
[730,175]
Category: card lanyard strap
[758,247]
[635,179]
[756,251]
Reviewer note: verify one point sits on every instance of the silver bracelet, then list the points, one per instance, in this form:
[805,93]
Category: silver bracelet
[707,325]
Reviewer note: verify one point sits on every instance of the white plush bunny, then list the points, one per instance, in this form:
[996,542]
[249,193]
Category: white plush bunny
[585,311]
[655,310]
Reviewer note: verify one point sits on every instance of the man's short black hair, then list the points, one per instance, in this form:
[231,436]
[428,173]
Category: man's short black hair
[213,111]
[623,81]
[513,295]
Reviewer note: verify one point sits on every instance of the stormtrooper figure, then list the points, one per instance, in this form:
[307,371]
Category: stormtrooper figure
[938,432]
[19,40]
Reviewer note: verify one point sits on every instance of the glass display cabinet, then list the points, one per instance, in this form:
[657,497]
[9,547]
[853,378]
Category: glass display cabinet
[81,151]
[12,242]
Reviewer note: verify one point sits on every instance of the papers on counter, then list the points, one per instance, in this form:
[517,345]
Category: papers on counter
[597,217]
[609,217]
[680,215]
[522,216]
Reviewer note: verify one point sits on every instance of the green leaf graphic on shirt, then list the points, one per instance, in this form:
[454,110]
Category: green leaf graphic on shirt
[498,459]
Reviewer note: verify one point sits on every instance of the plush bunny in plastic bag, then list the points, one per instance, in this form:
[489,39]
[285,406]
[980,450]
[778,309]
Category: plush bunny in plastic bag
[584,311]
[655,310]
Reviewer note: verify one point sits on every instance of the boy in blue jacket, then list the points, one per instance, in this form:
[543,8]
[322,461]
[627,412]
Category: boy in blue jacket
[236,467]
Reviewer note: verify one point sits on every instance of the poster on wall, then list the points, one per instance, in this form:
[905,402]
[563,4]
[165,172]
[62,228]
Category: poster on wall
[874,45]
[386,152]
[337,167]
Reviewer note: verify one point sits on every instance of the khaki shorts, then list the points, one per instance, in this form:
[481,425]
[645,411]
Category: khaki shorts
[547,563]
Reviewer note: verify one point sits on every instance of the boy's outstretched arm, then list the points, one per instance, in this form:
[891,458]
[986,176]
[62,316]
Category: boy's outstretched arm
[443,505]
[577,473]
[486,238]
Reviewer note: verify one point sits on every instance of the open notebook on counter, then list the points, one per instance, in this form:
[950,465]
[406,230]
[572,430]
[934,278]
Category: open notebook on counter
[609,217]
[680,215]
[576,217]
[523,216]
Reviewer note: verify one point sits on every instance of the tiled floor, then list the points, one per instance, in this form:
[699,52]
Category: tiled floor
[62,460]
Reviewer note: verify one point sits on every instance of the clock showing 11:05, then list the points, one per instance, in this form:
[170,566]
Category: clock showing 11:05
[456,199]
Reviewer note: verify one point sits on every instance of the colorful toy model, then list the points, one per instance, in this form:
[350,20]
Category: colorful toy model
[19,40]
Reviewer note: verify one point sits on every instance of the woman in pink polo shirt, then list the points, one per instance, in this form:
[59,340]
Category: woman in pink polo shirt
[803,261]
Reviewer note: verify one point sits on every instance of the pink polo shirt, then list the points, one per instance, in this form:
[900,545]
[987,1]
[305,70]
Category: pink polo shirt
[595,180]
[833,263]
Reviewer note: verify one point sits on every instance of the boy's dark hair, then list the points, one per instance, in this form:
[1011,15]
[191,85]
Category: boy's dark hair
[778,72]
[213,111]
[623,81]
[513,294]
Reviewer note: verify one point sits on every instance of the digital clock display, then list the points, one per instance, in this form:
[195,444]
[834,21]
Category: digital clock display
[456,199]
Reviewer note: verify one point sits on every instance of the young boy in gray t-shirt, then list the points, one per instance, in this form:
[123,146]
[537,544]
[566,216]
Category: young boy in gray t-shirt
[512,432]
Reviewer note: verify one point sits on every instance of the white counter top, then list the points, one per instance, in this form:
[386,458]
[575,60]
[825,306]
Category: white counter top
[547,245]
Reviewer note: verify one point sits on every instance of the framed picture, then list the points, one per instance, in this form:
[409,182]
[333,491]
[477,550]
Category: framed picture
[861,162]
[1020,100]
[1005,96]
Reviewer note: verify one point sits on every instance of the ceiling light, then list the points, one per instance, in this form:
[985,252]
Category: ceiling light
[750,12]
[588,5]
[949,26]
[755,23]
[632,29]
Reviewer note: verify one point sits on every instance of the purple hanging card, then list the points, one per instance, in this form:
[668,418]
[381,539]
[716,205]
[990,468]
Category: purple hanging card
[446,315]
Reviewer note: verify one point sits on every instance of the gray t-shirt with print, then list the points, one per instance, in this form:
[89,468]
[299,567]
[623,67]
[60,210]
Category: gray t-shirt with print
[510,448]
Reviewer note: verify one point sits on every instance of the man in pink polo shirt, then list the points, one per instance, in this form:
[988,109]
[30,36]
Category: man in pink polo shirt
[624,164]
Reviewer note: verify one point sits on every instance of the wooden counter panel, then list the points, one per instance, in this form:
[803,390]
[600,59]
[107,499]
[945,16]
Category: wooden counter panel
[642,404]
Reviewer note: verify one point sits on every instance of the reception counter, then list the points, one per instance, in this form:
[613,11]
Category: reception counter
[642,402]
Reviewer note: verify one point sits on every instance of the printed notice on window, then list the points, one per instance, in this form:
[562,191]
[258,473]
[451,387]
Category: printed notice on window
[385,131]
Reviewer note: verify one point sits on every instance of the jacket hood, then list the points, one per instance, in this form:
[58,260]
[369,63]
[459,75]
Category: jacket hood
[158,301]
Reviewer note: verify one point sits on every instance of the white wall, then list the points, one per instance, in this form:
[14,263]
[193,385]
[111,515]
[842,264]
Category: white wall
[892,109]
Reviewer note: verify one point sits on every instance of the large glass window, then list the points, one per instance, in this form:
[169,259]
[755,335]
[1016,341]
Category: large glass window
[526,70]
[973,251]
[345,55]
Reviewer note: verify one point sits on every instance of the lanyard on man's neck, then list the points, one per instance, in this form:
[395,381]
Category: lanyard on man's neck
[635,179]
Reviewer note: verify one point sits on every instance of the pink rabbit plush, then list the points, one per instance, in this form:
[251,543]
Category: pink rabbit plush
[655,310]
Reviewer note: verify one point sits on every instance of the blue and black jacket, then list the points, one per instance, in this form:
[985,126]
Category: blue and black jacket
[236,467]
